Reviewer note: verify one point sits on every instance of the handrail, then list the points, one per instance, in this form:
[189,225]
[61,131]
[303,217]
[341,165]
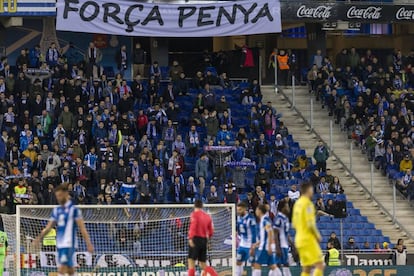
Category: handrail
[345,167]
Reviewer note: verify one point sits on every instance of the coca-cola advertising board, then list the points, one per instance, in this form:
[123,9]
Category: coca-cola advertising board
[362,13]
[317,11]
[404,13]
[309,11]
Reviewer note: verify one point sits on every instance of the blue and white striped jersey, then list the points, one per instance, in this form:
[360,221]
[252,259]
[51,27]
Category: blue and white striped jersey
[281,223]
[65,218]
[246,229]
[265,224]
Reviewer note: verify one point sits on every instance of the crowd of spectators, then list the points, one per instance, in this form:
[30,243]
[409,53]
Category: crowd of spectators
[371,97]
[168,139]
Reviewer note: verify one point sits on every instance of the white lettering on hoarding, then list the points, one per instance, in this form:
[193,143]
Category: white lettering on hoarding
[319,12]
[371,12]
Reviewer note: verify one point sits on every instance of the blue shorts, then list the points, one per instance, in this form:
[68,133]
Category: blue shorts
[65,257]
[283,259]
[263,258]
[243,254]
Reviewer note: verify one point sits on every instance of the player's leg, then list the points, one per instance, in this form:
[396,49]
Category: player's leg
[259,259]
[65,257]
[2,258]
[306,270]
[202,254]
[319,268]
[192,257]
[242,256]
[285,262]
[304,257]
[286,271]
[317,260]
[272,261]
[191,267]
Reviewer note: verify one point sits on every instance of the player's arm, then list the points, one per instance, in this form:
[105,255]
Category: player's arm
[253,230]
[51,224]
[192,230]
[277,240]
[210,228]
[271,244]
[82,228]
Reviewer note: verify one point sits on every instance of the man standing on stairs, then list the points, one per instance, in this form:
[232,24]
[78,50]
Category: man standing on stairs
[321,155]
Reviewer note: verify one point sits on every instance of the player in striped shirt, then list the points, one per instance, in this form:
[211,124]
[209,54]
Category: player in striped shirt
[281,229]
[246,230]
[67,218]
[265,247]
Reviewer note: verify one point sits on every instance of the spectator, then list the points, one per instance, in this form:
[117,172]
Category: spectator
[331,207]
[351,245]
[321,154]
[193,141]
[400,255]
[52,56]
[404,183]
[336,187]
[230,193]
[320,208]
[276,170]
[190,190]
[145,188]
[322,187]
[261,150]
[293,193]
[224,135]
[179,146]
[212,196]
[333,239]
[121,59]
[366,246]
[287,168]
[218,158]
[406,163]
[377,248]
[177,190]
[175,71]
[138,60]
[262,179]
[201,171]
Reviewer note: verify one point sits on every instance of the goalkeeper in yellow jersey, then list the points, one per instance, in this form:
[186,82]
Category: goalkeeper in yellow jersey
[307,237]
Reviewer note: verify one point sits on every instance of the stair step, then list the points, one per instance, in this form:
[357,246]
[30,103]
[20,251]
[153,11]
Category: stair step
[341,147]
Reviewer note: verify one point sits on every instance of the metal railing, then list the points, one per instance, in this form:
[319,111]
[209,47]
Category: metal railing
[310,124]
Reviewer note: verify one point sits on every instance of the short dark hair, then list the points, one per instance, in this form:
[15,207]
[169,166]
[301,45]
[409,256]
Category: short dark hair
[242,204]
[305,186]
[198,204]
[61,188]
[262,208]
[282,203]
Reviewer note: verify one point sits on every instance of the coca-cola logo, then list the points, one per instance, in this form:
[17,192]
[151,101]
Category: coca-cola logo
[370,12]
[319,12]
[404,14]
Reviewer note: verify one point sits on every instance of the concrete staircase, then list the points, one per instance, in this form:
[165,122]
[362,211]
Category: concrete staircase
[360,196]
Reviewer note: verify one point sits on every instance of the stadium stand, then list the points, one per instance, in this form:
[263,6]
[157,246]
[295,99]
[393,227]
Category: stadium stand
[105,134]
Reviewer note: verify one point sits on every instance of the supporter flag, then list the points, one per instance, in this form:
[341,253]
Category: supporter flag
[28,260]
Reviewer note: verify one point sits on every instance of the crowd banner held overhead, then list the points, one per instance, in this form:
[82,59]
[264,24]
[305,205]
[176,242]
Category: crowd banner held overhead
[27,7]
[131,18]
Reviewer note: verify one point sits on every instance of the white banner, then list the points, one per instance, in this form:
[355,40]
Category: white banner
[49,259]
[130,18]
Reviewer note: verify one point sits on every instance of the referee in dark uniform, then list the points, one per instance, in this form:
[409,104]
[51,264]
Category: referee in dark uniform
[201,229]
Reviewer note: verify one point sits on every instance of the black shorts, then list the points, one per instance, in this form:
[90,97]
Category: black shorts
[199,251]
